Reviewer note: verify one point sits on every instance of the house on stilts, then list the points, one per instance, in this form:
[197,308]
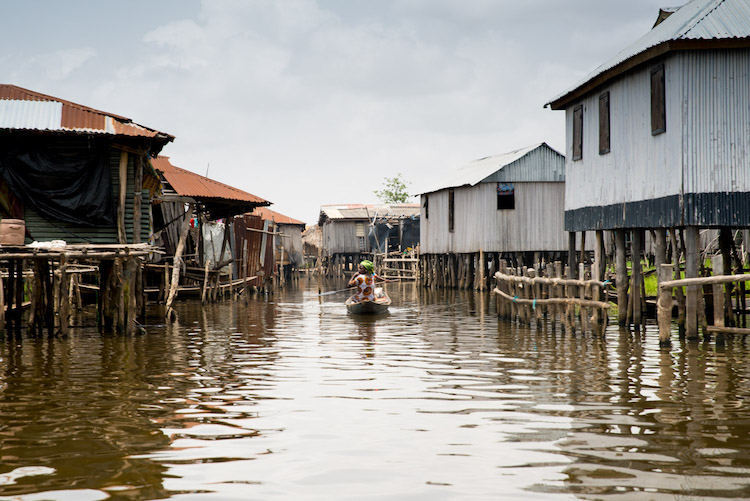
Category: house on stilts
[380,232]
[658,142]
[76,182]
[506,207]
[211,228]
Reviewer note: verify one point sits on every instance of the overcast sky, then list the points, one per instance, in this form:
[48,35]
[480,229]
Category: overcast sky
[314,102]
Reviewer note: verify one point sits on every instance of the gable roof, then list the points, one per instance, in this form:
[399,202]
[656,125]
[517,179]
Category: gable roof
[697,24]
[192,185]
[23,109]
[489,168]
[367,212]
[276,217]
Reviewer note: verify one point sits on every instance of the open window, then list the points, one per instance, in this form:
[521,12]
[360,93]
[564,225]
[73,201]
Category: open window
[451,210]
[506,198]
[426,206]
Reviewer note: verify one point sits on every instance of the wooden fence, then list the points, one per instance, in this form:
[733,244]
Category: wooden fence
[547,294]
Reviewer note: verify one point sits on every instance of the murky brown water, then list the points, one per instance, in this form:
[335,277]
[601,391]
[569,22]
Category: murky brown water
[290,397]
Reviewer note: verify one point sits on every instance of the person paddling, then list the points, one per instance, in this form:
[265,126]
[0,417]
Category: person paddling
[364,280]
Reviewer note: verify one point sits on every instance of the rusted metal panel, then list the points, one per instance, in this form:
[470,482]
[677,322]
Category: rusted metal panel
[249,239]
[190,184]
[72,116]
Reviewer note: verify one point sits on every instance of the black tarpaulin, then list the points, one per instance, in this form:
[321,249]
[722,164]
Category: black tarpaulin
[63,183]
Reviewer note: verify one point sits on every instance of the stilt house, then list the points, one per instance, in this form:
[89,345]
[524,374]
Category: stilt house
[355,232]
[658,138]
[200,212]
[74,173]
[507,206]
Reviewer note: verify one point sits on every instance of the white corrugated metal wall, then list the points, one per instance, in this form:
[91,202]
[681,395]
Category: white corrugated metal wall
[705,149]
[536,223]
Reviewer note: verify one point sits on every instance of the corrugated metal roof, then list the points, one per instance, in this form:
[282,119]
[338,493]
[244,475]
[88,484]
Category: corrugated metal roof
[23,109]
[274,216]
[360,211]
[190,184]
[698,20]
[483,168]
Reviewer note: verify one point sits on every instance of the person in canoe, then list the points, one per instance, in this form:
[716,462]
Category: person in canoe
[364,280]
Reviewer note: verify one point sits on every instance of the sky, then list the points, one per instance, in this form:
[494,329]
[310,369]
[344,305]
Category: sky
[317,102]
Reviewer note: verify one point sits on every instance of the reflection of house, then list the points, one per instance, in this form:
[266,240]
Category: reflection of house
[288,250]
[658,139]
[74,173]
[207,205]
[355,232]
[507,206]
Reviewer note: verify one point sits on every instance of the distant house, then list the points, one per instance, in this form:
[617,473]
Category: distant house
[658,136]
[355,232]
[75,173]
[288,248]
[507,206]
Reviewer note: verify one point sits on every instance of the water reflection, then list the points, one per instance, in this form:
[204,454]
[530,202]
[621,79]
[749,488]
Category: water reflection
[289,396]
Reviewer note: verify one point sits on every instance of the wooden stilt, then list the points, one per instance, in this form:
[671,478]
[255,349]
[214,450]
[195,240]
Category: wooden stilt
[636,276]
[691,271]
[177,264]
[622,277]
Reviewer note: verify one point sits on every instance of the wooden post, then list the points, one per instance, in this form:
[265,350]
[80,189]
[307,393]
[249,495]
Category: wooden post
[137,196]
[621,264]
[676,253]
[664,298]
[572,264]
[691,271]
[177,264]
[482,264]
[64,295]
[123,186]
[636,276]
[725,244]
[717,263]
[205,281]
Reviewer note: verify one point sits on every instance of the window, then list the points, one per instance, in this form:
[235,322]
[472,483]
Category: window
[506,199]
[578,132]
[451,211]
[658,103]
[604,123]
[426,206]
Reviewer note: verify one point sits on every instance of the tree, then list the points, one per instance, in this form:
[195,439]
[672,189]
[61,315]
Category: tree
[394,191]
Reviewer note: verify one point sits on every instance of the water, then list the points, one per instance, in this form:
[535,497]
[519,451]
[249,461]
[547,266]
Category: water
[289,397]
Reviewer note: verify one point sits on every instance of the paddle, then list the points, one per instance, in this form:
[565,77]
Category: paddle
[344,290]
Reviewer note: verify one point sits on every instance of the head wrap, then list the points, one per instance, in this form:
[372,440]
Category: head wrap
[367,265]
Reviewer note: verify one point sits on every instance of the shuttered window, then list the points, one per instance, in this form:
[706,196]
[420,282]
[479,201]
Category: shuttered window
[451,211]
[658,102]
[578,132]
[604,123]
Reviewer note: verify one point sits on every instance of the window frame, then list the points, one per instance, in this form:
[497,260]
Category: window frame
[657,84]
[577,153]
[605,130]
[506,198]
[451,211]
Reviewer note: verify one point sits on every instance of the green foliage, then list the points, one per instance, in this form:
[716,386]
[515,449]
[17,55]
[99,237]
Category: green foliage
[394,191]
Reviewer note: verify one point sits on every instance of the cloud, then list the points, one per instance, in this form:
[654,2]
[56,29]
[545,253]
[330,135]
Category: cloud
[60,64]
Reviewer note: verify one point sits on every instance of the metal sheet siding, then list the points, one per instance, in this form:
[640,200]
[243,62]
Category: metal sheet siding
[716,130]
[541,164]
[536,224]
[639,165]
[341,237]
[34,115]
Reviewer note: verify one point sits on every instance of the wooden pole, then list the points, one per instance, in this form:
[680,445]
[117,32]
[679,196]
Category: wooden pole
[691,271]
[123,186]
[636,276]
[622,277]
[137,196]
[177,264]
[205,281]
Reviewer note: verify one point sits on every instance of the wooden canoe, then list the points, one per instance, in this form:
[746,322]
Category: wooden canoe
[380,305]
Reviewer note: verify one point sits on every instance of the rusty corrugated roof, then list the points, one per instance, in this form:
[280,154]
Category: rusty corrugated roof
[190,184]
[274,216]
[21,109]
